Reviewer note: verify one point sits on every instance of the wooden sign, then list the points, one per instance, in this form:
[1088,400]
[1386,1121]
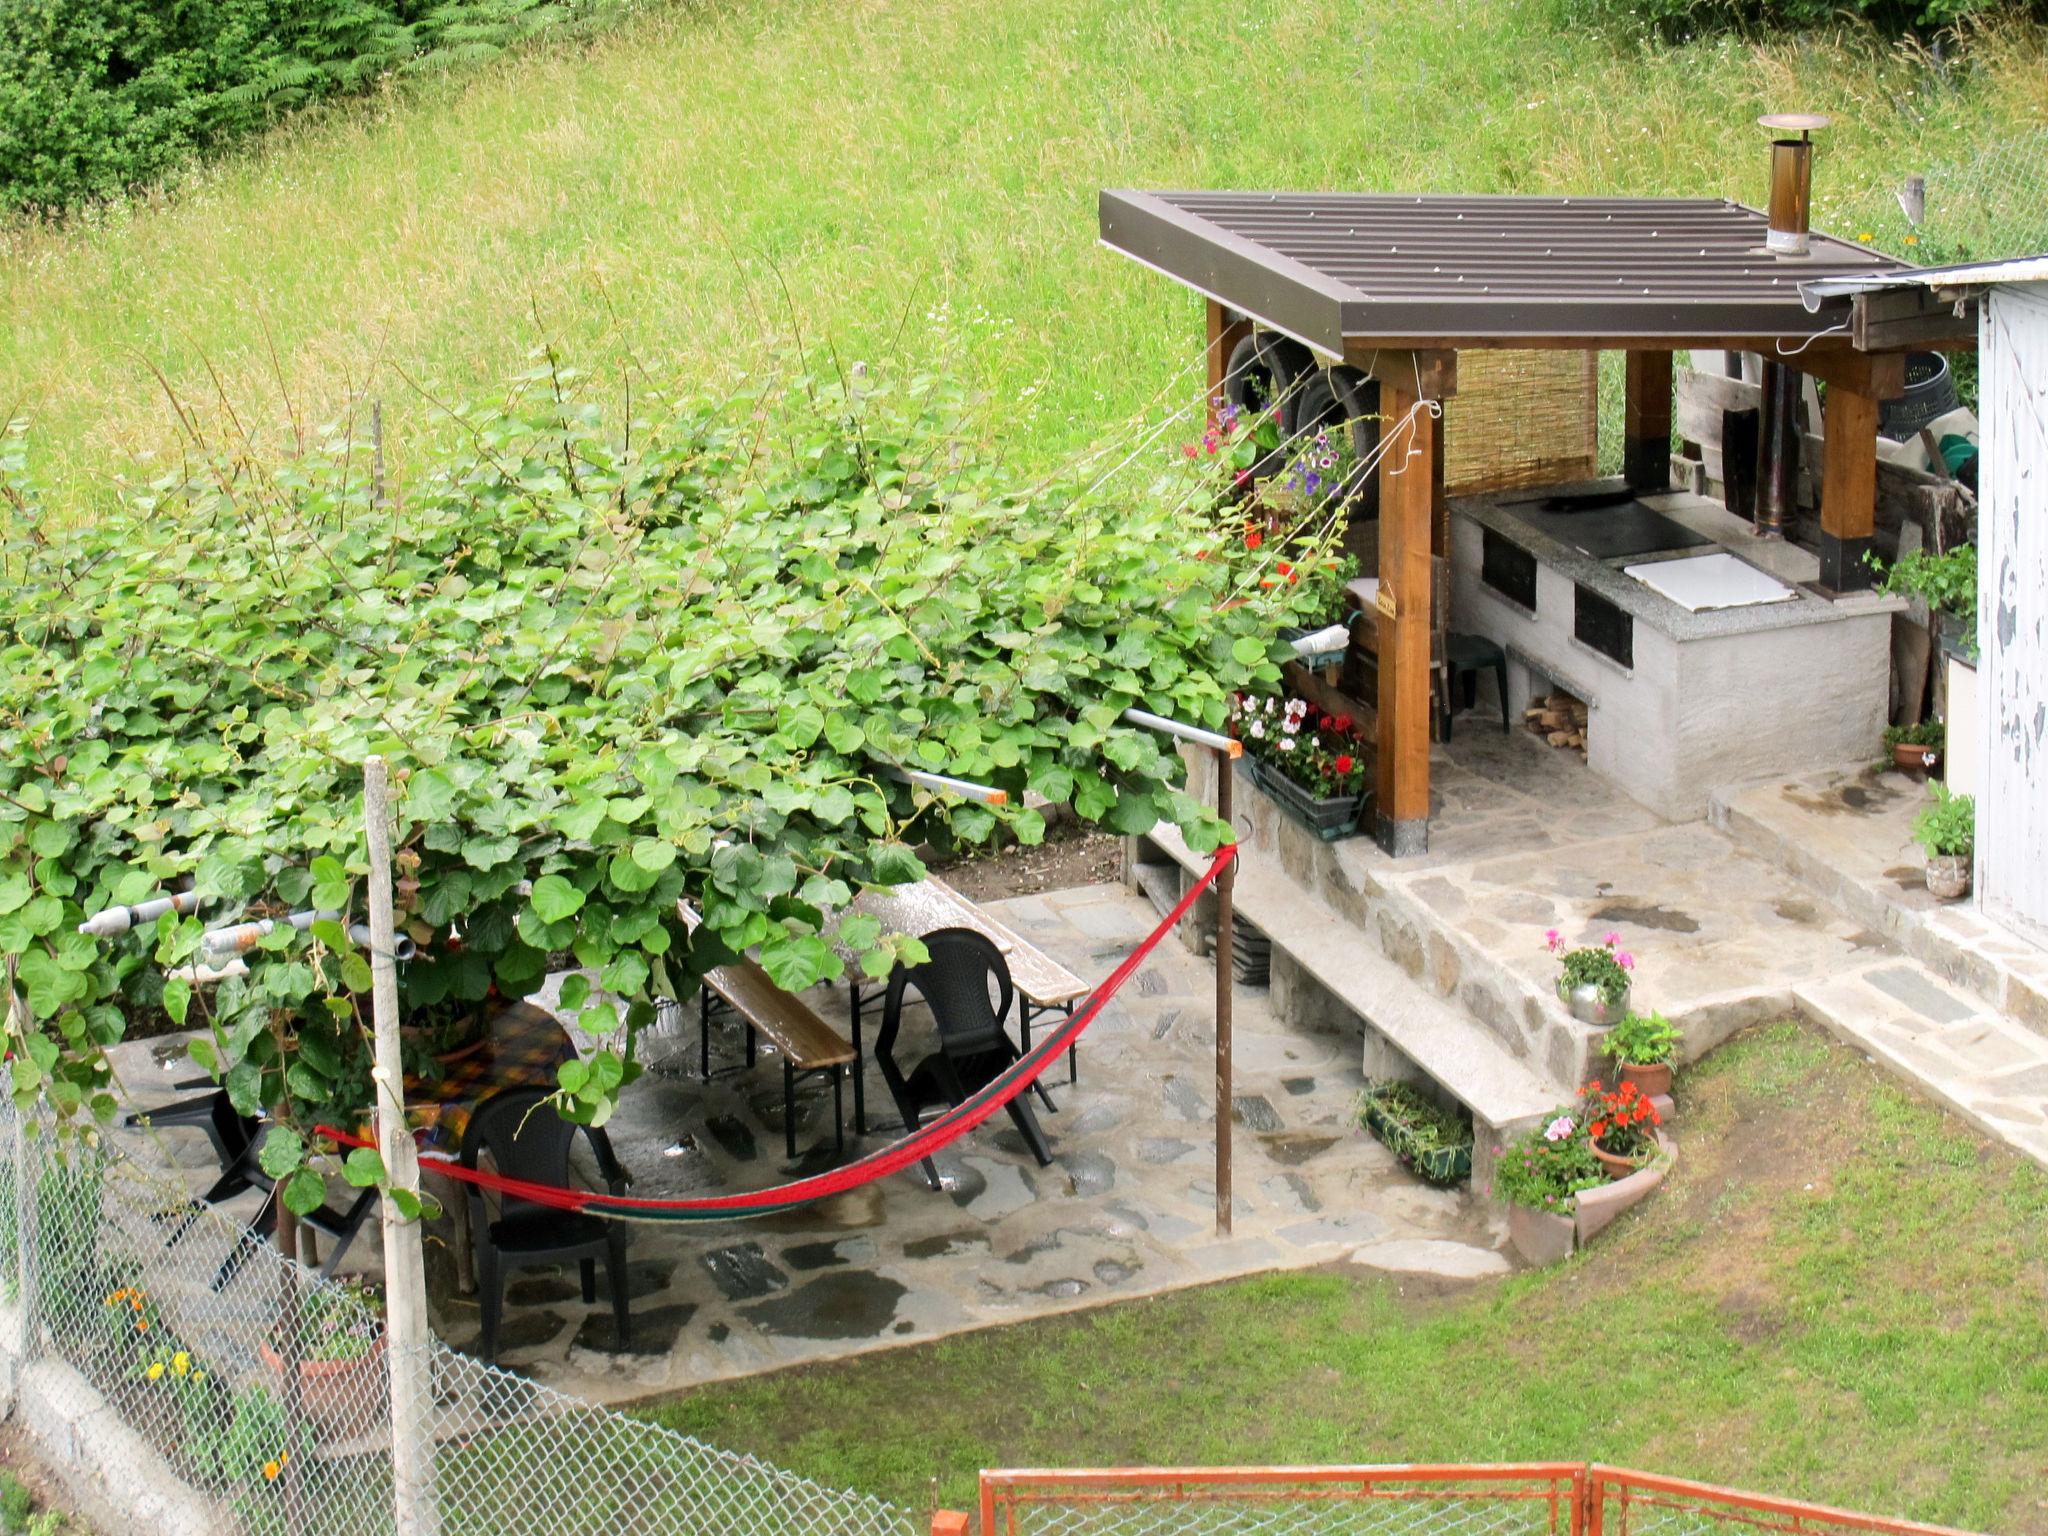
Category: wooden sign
[1385,600]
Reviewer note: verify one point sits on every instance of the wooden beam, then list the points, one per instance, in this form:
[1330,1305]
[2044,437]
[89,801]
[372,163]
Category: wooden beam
[1407,476]
[1433,371]
[1848,489]
[1880,375]
[1226,328]
[1646,421]
[1912,317]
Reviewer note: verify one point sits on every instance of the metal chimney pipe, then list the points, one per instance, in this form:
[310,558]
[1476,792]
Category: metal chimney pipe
[1791,196]
[1777,470]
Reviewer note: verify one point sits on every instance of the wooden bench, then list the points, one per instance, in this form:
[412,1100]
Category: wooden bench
[809,1046]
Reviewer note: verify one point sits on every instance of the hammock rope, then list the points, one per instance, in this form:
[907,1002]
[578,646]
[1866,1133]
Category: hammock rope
[914,1147]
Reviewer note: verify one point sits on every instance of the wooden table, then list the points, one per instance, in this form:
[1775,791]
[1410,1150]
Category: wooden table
[1043,984]
[525,1046]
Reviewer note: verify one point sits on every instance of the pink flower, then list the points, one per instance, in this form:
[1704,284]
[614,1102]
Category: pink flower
[1552,940]
[1625,960]
[1558,1129]
[1611,940]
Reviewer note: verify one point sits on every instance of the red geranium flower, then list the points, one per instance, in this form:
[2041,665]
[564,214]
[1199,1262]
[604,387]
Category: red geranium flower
[1344,763]
[1254,539]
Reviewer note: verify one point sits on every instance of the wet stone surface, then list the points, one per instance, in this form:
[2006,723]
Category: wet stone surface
[842,1304]
[742,1272]
[1126,1209]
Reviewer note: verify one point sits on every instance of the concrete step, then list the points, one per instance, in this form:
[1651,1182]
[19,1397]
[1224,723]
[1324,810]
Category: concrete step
[1384,910]
[1468,1062]
[1945,1042]
[1847,836]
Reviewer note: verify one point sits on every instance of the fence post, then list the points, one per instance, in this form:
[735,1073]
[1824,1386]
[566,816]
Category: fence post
[408,1341]
[24,1209]
[949,1522]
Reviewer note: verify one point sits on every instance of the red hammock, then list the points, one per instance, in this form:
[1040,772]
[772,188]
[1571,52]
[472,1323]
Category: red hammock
[919,1144]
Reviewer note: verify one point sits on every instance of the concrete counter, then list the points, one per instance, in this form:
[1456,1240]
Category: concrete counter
[1680,702]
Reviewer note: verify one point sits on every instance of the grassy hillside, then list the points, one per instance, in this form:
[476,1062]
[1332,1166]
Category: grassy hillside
[1836,1296]
[920,171]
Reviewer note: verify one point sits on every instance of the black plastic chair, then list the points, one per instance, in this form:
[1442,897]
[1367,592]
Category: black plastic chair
[1464,657]
[525,1139]
[237,1142]
[974,1048]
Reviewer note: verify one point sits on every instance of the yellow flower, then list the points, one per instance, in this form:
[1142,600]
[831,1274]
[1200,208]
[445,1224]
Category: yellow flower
[1912,239]
[199,1375]
[270,1471]
[181,1362]
[156,1370]
[1866,237]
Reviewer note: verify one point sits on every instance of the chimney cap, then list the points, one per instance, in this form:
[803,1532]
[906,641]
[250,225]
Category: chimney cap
[1794,122]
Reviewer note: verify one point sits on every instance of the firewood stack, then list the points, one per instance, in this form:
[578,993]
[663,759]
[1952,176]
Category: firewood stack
[1559,719]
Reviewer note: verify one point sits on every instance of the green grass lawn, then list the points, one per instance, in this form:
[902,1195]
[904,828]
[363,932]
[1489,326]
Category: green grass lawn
[1838,1295]
[917,177]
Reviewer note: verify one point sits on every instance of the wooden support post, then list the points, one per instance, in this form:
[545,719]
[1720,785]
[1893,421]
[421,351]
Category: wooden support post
[1226,1093]
[1407,479]
[1226,330]
[1646,430]
[408,1339]
[1848,489]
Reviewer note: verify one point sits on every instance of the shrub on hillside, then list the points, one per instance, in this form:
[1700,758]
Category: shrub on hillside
[1676,20]
[98,96]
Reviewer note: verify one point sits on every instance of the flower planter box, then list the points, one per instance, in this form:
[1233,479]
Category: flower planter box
[1597,1208]
[1442,1165]
[1329,819]
[1542,1239]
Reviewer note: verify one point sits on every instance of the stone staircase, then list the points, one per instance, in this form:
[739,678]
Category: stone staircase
[1956,1005]
[1430,1004]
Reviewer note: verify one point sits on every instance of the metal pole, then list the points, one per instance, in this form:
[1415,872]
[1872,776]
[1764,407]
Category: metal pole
[1224,1098]
[408,1342]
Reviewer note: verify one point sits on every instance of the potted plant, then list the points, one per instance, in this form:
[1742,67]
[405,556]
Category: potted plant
[1642,1047]
[1313,764]
[1540,1175]
[341,1357]
[1916,749]
[1594,981]
[1433,1142]
[1622,1126]
[1946,830]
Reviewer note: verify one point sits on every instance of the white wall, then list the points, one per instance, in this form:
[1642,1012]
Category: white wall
[2012,622]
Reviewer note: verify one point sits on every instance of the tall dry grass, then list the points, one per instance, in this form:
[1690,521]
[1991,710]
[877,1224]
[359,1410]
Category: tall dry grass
[917,176]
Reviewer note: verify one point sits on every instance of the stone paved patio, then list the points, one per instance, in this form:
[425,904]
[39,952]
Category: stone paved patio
[1126,1210]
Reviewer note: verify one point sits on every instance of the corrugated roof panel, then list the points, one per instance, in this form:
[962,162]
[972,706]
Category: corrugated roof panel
[1479,270]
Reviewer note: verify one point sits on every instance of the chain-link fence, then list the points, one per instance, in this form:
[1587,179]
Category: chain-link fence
[200,1379]
[1982,206]
[1537,1499]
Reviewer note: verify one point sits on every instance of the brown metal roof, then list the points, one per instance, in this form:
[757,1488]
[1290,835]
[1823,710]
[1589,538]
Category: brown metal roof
[1485,271]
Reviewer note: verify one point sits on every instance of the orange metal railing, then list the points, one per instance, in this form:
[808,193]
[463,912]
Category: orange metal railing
[1511,1499]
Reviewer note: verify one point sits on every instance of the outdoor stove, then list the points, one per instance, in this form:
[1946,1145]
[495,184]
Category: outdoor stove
[1702,657]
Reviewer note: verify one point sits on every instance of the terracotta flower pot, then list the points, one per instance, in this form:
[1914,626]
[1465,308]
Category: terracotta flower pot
[1617,1166]
[1948,876]
[1589,1006]
[1916,762]
[340,1398]
[1653,1081]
